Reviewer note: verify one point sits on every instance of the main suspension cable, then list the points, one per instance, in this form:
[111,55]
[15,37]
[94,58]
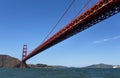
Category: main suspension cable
[59,20]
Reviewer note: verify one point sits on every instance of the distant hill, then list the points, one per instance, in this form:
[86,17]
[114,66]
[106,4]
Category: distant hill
[100,66]
[37,65]
[44,66]
[8,62]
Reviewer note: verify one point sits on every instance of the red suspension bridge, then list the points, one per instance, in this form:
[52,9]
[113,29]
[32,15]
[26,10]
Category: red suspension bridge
[102,10]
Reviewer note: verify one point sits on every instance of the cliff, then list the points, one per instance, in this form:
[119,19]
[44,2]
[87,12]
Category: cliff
[8,61]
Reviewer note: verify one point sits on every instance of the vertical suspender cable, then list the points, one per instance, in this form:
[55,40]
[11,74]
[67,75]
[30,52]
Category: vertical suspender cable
[84,6]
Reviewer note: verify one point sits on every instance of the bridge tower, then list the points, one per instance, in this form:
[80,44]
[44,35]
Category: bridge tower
[24,54]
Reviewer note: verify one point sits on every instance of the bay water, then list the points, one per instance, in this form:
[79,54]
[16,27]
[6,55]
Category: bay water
[59,73]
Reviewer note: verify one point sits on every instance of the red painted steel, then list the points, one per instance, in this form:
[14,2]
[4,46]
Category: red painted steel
[97,13]
[24,54]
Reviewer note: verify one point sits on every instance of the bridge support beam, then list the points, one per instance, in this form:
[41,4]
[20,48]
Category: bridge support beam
[23,65]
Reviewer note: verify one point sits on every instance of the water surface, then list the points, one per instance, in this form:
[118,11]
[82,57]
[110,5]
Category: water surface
[59,73]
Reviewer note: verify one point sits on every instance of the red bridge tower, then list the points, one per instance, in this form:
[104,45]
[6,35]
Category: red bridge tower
[24,54]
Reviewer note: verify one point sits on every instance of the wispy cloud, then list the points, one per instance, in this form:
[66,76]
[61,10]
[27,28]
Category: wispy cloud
[107,39]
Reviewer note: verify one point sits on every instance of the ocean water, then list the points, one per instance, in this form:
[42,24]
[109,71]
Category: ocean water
[59,73]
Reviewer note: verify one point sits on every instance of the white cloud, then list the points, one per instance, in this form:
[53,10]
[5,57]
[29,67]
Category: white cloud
[107,39]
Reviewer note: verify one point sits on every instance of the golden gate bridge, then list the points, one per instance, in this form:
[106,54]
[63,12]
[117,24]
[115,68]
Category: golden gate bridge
[100,11]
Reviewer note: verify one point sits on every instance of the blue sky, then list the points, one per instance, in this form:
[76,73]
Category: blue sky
[29,21]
